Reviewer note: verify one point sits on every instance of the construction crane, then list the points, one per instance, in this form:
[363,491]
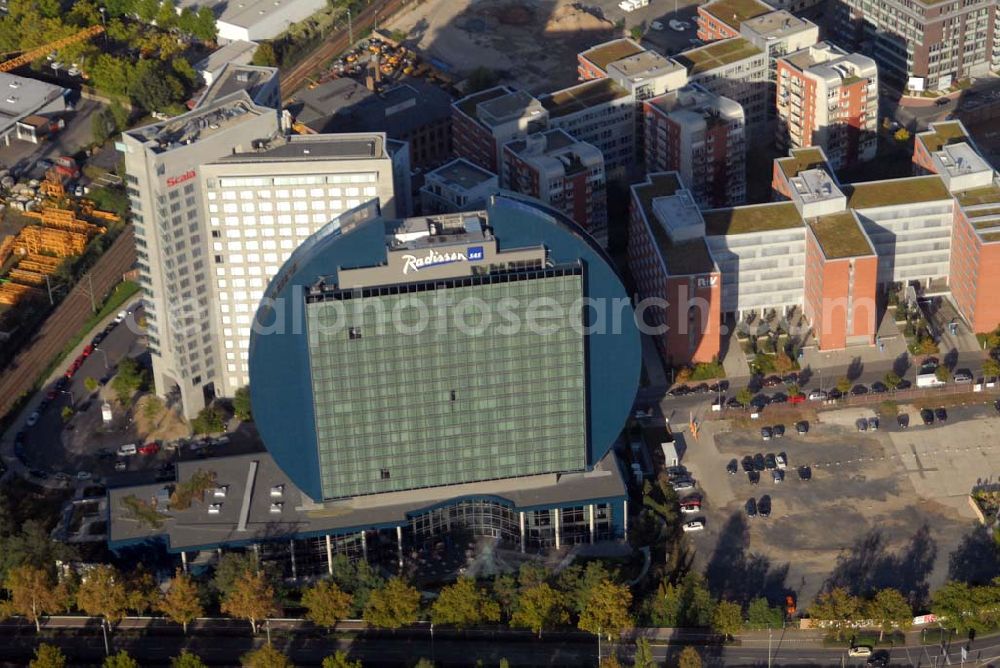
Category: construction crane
[45,49]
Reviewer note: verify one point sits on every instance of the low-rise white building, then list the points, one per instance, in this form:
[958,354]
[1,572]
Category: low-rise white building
[457,186]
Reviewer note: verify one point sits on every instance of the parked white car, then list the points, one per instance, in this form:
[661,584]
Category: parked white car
[694,525]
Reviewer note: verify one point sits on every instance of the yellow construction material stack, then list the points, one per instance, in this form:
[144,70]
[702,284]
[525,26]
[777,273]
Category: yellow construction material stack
[43,264]
[65,219]
[26,277]
[61,243]
[12,293]
[87,208]
[6,248]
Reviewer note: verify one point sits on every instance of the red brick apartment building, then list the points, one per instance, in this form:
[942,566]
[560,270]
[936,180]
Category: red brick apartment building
[721,19]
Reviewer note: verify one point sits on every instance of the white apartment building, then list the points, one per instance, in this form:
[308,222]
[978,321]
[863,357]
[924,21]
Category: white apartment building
[760,251]
[262,204]
[737,69]
[163,162]
[457,186]
[598,112]
[910,224]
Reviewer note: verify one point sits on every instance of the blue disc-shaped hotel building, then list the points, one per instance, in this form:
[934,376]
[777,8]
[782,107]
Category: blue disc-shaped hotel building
[413,377]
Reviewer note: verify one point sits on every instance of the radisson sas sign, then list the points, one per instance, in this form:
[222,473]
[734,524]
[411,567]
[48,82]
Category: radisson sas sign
[433,258]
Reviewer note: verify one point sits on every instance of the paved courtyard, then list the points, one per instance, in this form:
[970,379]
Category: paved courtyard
[885,508]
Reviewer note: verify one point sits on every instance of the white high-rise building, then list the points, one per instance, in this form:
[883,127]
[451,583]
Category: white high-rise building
[180,175]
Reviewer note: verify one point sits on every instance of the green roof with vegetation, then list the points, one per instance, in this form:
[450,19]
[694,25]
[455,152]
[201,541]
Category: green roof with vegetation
[949,132]
[582,96]
[734,12]
[914,190]
[691,257]
[603,55]
[839,236]
[717,54]
[986,195]
[752,218]
[801,160]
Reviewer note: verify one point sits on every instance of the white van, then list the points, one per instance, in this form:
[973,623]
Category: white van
[928,380]
[127,450]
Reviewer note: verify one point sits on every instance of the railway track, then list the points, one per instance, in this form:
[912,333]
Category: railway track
[335,44]
[63,323]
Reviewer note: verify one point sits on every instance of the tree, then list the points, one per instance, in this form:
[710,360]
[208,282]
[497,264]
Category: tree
[610,661]
[844,385]
[760,615]
[538,608]
[340,660]
[578,582]
[532,574]
[358,579]
[241,404]
[967,608]
[251,598]
[33,594]
[744,396]
[120,660]
[110,74]
[102,594]
[128,380]
[727,619]
[48,656]
[205,27]
[782,362]
[394,605]
[208,421]
[264,56]
[326,604]
[423,663]
[942,373]
[463,605]
[147,9]
[153,408]
[154,88]
[890,610]
[265,657]
[90,383]
[902,135]
[838,607]
[688,603]
[166,15]
[67,413]
[991,367]
[187,660]
[182,602]
[606,610]
[892,380]
[689,658]
[643,655]
[143,594]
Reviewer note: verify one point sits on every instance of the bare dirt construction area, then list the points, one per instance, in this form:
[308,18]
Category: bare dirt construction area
[885,508]
[532,44]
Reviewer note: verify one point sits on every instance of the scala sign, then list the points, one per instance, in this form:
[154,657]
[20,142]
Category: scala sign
[434,258]
[177,180]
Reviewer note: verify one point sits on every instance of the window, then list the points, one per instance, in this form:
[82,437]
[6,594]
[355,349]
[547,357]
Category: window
[384,474]
[354,333]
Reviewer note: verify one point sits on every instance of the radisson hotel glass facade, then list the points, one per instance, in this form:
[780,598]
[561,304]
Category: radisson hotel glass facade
[412,377]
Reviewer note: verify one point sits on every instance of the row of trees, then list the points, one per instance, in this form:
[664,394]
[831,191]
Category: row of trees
[50,656]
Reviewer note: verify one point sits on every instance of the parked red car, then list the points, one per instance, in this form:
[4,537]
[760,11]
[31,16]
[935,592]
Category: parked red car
[149,449]
[87,350]
[797,399]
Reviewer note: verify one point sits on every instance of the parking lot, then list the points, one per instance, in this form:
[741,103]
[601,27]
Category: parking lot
[887,508]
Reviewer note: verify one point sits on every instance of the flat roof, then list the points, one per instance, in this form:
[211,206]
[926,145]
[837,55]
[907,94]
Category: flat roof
[235,77]
[249,480]
[717,54]
[734,12]
[249,13]
[202,122]
[504,107]
[985,195]
[604,54]
[944,133]
[237,50]
[839,236]
[777,24]
[345,105]
[21,96]
[468,105]
[643,65]
[691,257]
[800,160]
[463,174]
[752,218]
[582,96]
[913,190]
[353,146]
